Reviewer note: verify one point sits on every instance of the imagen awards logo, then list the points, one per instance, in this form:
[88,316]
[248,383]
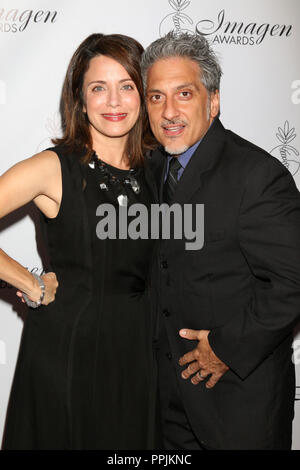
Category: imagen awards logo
[14,20]
[220,27]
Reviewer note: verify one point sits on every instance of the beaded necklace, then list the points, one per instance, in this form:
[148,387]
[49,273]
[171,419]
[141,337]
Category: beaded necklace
[119,185]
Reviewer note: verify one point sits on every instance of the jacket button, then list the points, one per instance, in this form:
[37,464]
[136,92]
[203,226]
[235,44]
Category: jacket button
[166,312]
[164,264]
[169,356]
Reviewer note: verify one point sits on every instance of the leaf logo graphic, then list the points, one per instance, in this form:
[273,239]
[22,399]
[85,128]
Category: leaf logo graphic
[178,21]
[285,152]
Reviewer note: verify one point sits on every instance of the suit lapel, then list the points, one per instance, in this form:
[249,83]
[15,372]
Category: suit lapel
[151,178]
[204,159]
[159,164]
[162,178]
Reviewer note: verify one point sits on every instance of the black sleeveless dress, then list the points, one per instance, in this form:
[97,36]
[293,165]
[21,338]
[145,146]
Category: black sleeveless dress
[85,376]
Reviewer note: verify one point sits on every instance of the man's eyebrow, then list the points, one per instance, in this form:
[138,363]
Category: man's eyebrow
[154,90]
[179,87]
[187,85]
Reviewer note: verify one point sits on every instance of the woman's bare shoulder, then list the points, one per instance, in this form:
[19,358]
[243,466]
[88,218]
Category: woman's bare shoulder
[48,157]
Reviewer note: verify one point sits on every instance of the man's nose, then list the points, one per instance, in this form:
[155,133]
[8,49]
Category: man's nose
[170,110]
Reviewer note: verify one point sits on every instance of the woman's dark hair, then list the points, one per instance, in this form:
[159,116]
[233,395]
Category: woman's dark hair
[125,50]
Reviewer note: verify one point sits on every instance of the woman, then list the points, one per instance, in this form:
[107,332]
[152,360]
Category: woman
[85,377]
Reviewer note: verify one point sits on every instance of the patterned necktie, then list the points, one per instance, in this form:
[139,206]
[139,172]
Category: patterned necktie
[171,181]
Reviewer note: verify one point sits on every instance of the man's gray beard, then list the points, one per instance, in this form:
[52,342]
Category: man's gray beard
[184,148]
[176,151]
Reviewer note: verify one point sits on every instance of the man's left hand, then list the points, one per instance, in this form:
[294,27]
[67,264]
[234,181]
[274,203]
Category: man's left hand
[202,360]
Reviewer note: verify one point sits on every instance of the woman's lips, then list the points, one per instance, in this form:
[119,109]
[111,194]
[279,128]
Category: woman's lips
[115,117]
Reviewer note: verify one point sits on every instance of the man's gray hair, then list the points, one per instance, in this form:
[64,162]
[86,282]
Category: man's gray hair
[190,46]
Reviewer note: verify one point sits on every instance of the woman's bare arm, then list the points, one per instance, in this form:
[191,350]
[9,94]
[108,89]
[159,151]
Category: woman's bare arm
[35,179]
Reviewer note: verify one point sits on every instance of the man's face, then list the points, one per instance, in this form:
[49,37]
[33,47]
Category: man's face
[179,107]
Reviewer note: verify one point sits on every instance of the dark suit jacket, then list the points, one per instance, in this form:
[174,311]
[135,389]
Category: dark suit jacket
[243,286]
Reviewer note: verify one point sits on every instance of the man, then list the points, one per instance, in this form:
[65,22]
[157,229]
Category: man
[226,312]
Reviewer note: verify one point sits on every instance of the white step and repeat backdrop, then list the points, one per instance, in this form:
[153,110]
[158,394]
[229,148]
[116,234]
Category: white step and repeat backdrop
[258,44]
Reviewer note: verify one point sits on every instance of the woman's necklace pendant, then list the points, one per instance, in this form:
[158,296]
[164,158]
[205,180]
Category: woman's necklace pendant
[103,186]
[134,184]
[122,200]
[108,179]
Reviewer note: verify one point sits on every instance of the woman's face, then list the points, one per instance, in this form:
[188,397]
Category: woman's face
[111,99]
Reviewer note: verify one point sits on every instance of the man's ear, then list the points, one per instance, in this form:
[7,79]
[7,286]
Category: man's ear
[214,104]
